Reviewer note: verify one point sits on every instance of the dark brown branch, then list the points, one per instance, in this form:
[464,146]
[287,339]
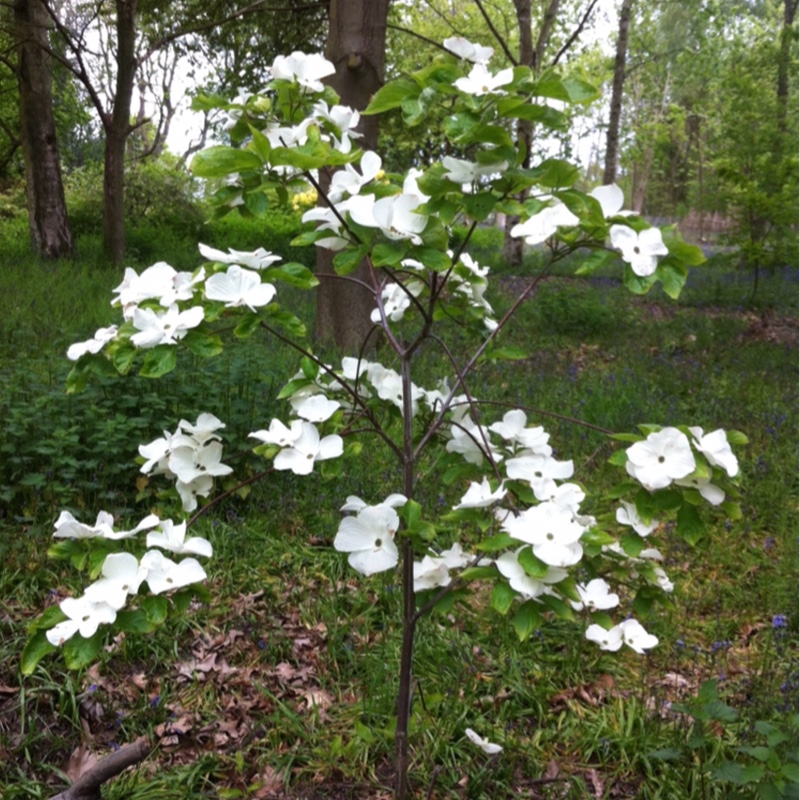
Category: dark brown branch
[500,40]
[575,34]
[87,787]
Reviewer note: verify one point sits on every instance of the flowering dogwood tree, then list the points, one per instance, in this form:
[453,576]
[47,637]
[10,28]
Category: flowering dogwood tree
[519,523]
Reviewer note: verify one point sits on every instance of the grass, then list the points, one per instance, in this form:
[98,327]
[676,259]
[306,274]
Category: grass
[286,680]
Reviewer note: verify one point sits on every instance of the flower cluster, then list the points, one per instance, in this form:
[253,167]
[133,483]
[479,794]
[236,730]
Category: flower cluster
[192,456]
[122,574]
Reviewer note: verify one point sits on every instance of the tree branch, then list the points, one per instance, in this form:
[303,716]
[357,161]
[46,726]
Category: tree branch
[576,33]
[500,40]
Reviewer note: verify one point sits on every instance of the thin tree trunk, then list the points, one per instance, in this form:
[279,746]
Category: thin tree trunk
[51,236]
[118,127]
[357,47]
[615,115]
[789,11]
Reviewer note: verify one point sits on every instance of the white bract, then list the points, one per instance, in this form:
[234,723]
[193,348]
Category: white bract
[640,250]
[121,576]
[307,69]
[257,259]
[629,632]
[476,53]
[84,616]
[611,199]
[545,223]
[664,456]
[480,81]
[596,596]
[480,495]
[67,527]
[163,574]
[628,515]
[172,537]
[716,448]
[308,448]
[239,287]
[369,539]
[484,744]
[168,327]
[101,337]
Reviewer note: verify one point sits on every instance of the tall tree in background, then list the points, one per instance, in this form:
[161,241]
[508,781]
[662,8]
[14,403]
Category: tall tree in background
[47,211]
[357,48]
[615,113]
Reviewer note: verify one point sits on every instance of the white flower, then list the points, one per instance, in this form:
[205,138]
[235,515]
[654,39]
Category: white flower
[595,596]
[480,495]
[611,199]
[355,503]
[279,434]
[239,287]
[663,581]
[552,530]
[543,225]
[540,471]
[628,515]
[430,573]
[394,215]
[307,70]
[480,81]
[121,575]
[663,457]
[204,429]
[630,632]
[84,617]
[315,408]
[640,250]
[101,337]
[150,521]
[716,448]
[166,328]
[307,449]
[389,386]
[708,491]
[465,49]
[513,430]
[467,172]
[172,537]
[472,441]
[348,181]
[509,567]
[163,574]
[342,117]
[67,527]
[488,747]
[189,463]
[369,539]
[396,299]
[154,283]
[189,492]
[257,259]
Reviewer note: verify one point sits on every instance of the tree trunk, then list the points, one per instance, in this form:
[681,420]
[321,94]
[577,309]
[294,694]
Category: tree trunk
[357,47]
[117,126]
[51,236]
[784,62]
[513,246]
[615,116]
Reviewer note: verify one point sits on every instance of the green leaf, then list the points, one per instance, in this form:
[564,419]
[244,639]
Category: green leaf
[64,550]
[533,566]
[347,260]
[619,458]
[478,573]
[636,284]
[672,275]
[181,600]
[389,254]
[220,161]
[36,648]
[294,274]
[509,353]
[593,262]
[632,543]
[554,173]
[392,95]
[665,754]
[247,326]
[159,361]
[47,619]
[496,543]
[736,437]
[122,358]
[261,143]
[80,652]
[690,527]
[479,205]
[526,620]
[134,621]
[289,322]
[502,597]
[558,607]
[433,259]
[205,345]
[156,607]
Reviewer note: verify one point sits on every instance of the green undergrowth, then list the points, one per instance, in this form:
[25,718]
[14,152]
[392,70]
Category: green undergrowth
[287,680]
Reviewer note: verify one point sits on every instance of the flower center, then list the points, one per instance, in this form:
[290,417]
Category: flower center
[378,543]
[661,459]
